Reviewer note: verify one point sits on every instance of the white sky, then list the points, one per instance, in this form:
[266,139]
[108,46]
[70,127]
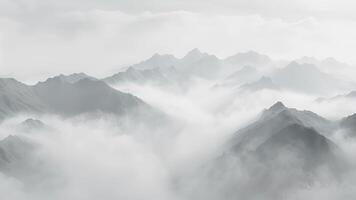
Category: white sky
[40,38]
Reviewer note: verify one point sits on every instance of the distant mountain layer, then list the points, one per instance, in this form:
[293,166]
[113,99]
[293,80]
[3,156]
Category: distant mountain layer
[242,76]
[261,84]
[307,78]
[59,95]
[305,75]
[250,58]
[349,95]
[146,76]
[205,65]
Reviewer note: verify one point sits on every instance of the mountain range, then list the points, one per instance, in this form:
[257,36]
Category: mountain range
[305,75]
[66,96]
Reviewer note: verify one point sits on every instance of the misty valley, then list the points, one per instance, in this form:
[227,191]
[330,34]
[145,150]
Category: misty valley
[183,128]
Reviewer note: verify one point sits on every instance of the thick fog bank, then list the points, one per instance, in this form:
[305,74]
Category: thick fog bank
[102,156]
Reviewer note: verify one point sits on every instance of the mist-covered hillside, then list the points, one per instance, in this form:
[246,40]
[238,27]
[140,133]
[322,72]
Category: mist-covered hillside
[178,128]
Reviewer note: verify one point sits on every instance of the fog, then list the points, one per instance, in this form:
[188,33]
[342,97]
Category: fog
[105,157]
[177,100]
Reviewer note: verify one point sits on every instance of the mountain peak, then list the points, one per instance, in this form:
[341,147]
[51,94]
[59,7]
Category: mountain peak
[194,55]
[195,50]
[274,110]
[4,82]
[249,58]
[157,56]
[278,106]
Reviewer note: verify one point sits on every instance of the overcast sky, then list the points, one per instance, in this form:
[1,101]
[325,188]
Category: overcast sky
[39,38]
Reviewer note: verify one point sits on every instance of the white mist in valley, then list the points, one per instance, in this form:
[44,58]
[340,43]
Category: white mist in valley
[259,111]
[93,155]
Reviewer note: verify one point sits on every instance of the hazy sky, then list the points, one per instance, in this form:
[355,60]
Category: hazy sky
[47,37]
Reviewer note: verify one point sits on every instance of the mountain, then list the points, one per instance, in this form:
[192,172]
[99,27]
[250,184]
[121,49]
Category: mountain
[306,144]
[261,84]
[208,66]
[275,119]
[245,75]
[250,58]
[73,78]
[16,97]
[193,56]
[193,63]
[32,125]
[307,78]
[196,63]
[329,65]
[349,124]
[67,98]
[284,150]
[133,75]
[204,65]
[84,96]
[349,95]
[307,60]
[16,154]
[157,61]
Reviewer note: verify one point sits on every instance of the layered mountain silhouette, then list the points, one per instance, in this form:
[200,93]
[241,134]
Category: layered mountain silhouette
[132,75]
[307,78]
[242,76]
[205,65]
[73,78]
[250,58]
[304,75]
[351,95]
[67,98]
[329,65]
[261,84]
[157,61]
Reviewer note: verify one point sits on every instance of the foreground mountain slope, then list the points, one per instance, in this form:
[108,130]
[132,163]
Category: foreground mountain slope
[307,78]
[282,151]
[275,119]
